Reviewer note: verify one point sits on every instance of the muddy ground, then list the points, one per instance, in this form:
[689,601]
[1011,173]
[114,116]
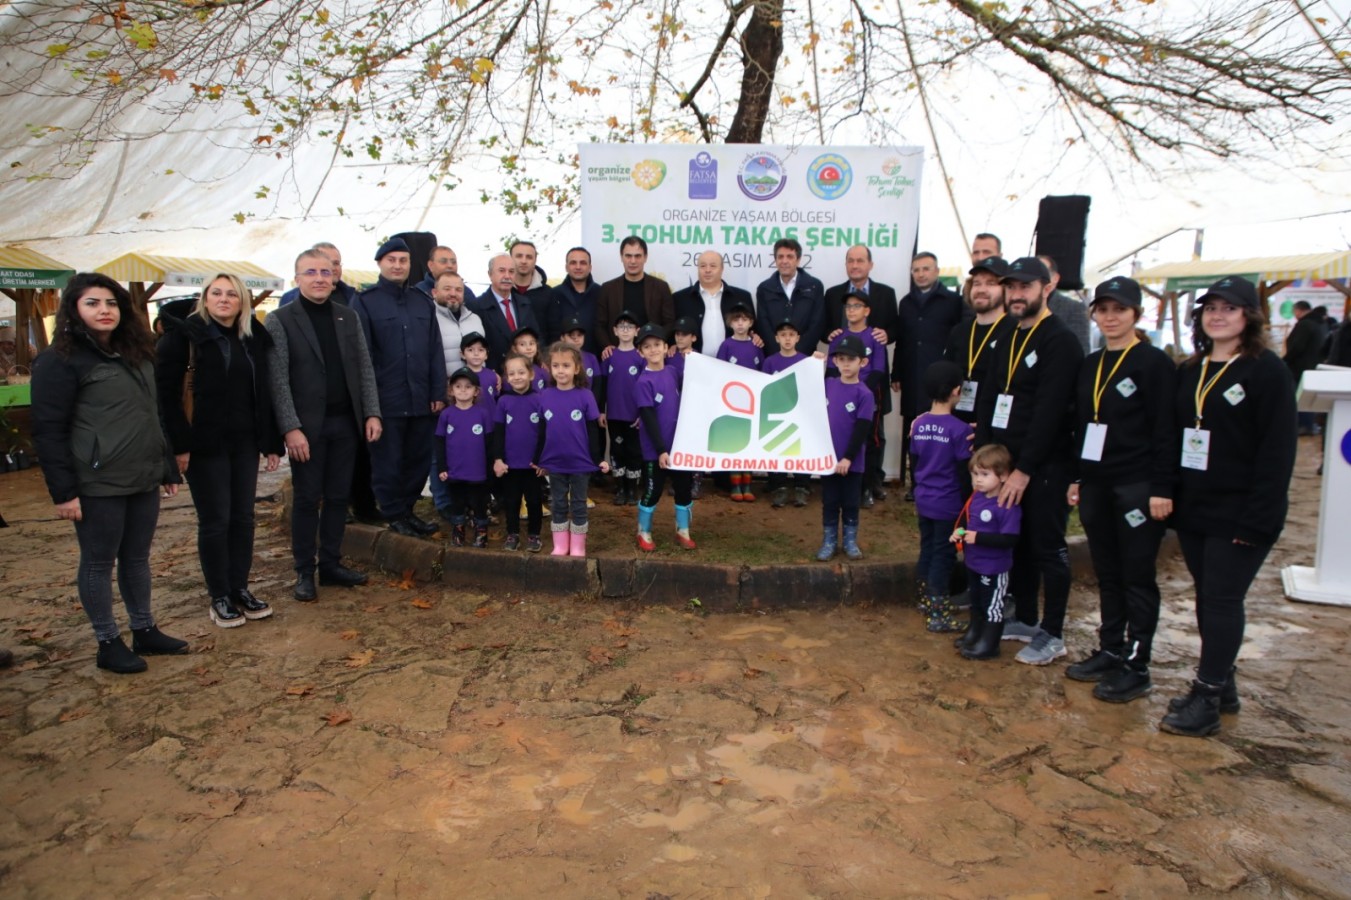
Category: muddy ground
[399,740]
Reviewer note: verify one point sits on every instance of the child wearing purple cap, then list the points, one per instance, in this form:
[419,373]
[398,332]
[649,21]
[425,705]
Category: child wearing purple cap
[786,336]
[515,437]
[462,432]
[658,408]
[849,411]
[569,448]
[940,446]
[987,537]
[621,413]
[740,350]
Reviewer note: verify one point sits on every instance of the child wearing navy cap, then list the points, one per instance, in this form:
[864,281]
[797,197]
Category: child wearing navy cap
[462,432]
[525,342]
[658,409]
[849,411]
[740,350]
[621,413]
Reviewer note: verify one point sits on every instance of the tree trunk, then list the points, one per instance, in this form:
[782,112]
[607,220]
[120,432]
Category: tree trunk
[761,47]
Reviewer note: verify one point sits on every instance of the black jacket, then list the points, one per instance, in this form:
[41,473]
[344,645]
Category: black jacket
[96,425]
[206,434]
[922,336]
[495,326]
[689,303]
[806,309]
[1138,396]
[1304,345]
[404,341]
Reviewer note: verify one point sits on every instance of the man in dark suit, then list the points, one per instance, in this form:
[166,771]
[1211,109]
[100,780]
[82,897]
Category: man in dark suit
[325,400]
[645,297]
[858,266]
[791,294]
[926,316]
[708,301]
[503,310]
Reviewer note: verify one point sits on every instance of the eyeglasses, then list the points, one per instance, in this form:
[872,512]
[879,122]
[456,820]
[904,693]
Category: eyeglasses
[855,306]
[313,273]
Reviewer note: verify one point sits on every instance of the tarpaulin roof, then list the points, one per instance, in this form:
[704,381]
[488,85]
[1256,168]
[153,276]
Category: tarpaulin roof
[1201,273]
[178,271]
[21,267]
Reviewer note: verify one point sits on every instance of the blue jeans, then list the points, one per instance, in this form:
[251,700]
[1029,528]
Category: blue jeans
[116,530]
[567,497]
[937,555]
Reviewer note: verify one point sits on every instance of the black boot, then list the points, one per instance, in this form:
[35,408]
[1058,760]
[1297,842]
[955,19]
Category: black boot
[1127,683]
[1229,702]
[152,641]
[114,656]
[973,629]
[987,643]
[1199,713]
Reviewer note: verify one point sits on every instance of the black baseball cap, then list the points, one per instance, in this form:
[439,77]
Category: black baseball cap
[465,374]
[995,265]
[650,330]
[1235,289]
[849,346]
[471,339]
[626,316]
[686,325]
[786,323]
[1027,269]
[740,306]
[1125,291]
[525,329]
[571,325]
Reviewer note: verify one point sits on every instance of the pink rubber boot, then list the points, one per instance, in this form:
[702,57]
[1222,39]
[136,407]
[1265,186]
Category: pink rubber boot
[577,544]
[560,543]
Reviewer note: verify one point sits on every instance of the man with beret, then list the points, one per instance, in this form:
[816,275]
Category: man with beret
[401,331]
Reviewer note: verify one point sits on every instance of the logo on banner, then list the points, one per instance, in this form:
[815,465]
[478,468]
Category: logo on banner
[704,177]
[648,174]
[610,174]
[830,176]
[892,182]
[761,176]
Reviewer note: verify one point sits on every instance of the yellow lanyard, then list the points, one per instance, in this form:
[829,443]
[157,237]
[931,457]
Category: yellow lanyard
[1015,358]
[1203,387]
[973,354]
[1097,379]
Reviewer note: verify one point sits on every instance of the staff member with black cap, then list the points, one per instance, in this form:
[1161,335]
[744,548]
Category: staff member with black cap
[974,343]
[1027,409]
[1236,409]
[1126,445]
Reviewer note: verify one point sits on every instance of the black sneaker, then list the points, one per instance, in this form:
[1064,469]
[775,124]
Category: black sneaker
[405,527]
[1229,702]
[1127,683]
[1097,667]
[533,544]
[1199,713]
[513,542]
[224,614]
[250,606]
[153,642]
[115,656]
[800,496]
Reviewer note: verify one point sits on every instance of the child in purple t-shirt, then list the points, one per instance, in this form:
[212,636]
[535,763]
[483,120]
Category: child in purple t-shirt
[787,336]
[874,375]
[462,432]
[940,445]
[474,352]
[849,410]
[987,540]
[621,413]
[569,448]
[574,335]
[515,437]
[658,408]
[740,350]
[525,342]
[685,333]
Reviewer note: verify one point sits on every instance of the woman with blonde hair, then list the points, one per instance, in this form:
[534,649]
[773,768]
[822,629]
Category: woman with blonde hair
[217,405]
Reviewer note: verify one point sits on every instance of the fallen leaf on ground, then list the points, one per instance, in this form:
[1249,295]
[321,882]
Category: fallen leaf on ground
[299,690]
[373,608]
[405,583]
[599,656]
[483,611]
[618,628]
[620,645]
[752,672]
[422,603]
[350,634]
[71,715]
[726,779]
[687,677]
[338,716]
[357,660]
[207,679]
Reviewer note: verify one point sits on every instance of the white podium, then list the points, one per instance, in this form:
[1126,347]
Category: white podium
[1327,389]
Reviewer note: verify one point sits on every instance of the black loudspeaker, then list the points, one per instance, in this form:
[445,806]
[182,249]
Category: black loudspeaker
[1061,225]
[420,247]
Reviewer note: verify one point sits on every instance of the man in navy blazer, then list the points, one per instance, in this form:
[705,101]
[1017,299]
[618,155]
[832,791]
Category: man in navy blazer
[493,306]
[791,294]
[708,301]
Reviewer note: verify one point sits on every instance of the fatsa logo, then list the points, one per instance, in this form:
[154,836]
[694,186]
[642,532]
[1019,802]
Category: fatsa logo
[704,177]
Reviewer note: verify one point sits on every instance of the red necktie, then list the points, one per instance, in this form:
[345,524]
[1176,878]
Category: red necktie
[511,320]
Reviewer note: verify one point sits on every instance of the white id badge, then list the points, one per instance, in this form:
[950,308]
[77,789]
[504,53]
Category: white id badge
[966,401]
[1003,408]
[1195,448]
[1094,439]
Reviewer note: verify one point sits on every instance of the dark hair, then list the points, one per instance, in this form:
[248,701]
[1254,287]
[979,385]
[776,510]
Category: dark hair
[924,254]
[986,236]
[1303,305]
[630,241]
[1050,264]
[994,457]
[790,244]
[132,339]
[558,347]
[941,379]
[1251,342]
[578,250]
[529,364]
[515,244]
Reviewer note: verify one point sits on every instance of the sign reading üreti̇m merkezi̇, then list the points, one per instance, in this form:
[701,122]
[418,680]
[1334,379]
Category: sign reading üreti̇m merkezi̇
[37,279]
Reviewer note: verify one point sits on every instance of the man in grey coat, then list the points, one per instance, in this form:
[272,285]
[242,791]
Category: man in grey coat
[325,398]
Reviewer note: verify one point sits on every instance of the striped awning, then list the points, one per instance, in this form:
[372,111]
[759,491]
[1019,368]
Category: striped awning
[21,267]
[180,271]
[1201,273]
[360,278]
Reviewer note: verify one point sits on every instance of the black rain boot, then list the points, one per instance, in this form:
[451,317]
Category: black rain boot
[115,656]
[480,536]
[987,643]
[1199,713]
[1229,702]
[973,629]
[457,535]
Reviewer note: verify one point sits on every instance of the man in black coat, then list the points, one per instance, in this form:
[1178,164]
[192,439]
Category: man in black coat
[791,294]
[927,315]
[503,310]
[858,266]
[576,298]
[325,401]
[708,301]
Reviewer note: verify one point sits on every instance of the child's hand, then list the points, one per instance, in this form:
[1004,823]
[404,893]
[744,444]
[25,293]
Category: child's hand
[604,468]
[842,467]
[969,537]
[830,337]
[540,471]
[818,355]
[664,460]
[499,468]
[602,421]
[956,536]
[444,476]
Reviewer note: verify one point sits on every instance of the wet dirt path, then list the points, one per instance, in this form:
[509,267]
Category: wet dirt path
[407,741]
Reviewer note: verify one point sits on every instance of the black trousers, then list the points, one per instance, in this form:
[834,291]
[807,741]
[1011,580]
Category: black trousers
[626,449]
[907,463]
[326,478]
[1124,551]
[1041,560]
[1223,572]
[363,497]
[654,483]
[399,463]
[469,499]
[518,483]
[840,495]
[223,487]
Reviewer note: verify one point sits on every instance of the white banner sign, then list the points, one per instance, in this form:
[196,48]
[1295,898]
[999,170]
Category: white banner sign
[738,199]
[734,419]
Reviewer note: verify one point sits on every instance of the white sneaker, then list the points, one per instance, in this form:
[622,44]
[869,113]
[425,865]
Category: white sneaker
[1017,631]
[1043,650]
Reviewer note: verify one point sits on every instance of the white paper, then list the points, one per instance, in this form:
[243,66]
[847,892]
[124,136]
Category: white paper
[1094,440]
[1195,448]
